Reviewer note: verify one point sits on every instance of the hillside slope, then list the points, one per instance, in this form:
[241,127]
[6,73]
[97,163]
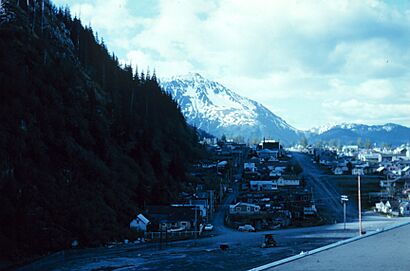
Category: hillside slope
[84,143]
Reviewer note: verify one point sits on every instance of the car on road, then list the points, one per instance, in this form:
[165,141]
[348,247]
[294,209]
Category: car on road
[246,227]
[209,227]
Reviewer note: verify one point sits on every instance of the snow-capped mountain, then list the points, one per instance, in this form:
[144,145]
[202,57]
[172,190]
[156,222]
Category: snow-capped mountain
[217,110]
[347,133]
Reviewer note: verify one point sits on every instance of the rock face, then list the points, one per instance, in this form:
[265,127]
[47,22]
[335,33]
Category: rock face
[218,110]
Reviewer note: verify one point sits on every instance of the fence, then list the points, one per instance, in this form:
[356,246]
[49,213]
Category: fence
[171,236]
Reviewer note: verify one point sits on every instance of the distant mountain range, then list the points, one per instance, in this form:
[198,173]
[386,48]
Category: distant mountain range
[219,111]
[350,133]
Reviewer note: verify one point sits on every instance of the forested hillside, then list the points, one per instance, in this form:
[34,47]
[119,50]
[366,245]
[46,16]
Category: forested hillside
[84,142]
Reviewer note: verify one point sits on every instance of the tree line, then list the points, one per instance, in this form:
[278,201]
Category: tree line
[85,142]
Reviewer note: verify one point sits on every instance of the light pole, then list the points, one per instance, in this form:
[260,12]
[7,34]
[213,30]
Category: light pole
[360,204]
[344,200]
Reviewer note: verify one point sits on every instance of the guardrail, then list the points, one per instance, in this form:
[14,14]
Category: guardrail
[170,236]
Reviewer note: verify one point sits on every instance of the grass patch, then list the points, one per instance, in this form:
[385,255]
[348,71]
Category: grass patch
[348,185]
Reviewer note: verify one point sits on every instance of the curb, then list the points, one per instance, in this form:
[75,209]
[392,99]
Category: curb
[327,247]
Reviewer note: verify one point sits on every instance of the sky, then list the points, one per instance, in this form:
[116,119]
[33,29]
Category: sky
[310,62]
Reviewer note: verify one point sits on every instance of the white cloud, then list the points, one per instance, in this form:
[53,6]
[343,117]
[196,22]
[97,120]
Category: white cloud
[309,60]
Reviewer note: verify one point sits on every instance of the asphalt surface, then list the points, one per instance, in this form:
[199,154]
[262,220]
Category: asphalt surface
[325,194]
[387,251]
[204,254]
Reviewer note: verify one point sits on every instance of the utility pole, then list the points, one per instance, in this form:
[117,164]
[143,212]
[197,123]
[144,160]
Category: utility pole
[196,222]
[360,204]
[344,200]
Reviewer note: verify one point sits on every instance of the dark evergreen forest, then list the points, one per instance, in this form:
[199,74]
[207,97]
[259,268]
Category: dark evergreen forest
[85,142]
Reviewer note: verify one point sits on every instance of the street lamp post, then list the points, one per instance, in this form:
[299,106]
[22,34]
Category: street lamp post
[359,204]
[344,200]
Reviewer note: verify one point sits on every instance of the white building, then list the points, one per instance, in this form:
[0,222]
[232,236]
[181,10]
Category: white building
[244,208]
[140,223]
[287,182]
[357,171]
[256,185]
[370,157]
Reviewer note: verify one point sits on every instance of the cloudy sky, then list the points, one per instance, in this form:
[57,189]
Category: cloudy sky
[310,62]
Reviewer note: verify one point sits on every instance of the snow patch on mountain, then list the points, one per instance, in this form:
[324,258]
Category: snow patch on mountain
[218,110]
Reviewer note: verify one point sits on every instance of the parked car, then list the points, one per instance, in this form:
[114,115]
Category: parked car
[209,227]
[246,227]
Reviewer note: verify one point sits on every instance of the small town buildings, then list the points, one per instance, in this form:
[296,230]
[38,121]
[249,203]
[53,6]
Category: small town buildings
[175,218]
[350,150]
[405,171]
[338,171]
[383,207]
[389,207]
[404,208]
[288,182]
[357,171]
[267,154]
[310,210]
[249,166]
[261,185]
[243,208]
[370,157]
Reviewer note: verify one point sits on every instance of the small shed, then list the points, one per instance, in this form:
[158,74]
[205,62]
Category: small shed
[140,223]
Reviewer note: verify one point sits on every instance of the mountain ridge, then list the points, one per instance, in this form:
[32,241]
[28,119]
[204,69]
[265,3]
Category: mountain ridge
[218,110]
[210,106]
[347,133]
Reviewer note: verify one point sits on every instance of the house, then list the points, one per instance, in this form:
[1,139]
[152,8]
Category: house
[404,208]
[400,151]
[287,182]
[256,185]
[350,150]
[388,207]
[201,205]
[175,218]
[387,183]
[357,171]
[338,171]
[267,154]
[275,173]
[270,144]
[309,210]
[382,207]
[243,208]
[139,223]
[381,170]
[370,157]
[405,171]
[249,166]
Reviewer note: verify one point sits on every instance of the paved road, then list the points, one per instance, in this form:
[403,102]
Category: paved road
[244,252]
[326,195]
[386,251]
[219,217]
